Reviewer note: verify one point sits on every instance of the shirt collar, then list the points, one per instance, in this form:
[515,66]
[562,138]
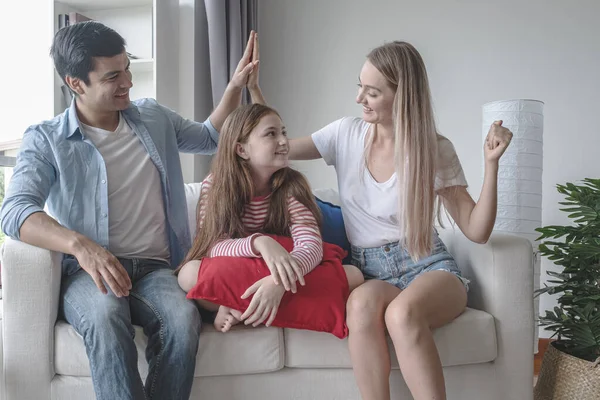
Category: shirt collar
[72,120]
[73,124]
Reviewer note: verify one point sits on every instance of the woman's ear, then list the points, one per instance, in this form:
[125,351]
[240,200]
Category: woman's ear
[241,151]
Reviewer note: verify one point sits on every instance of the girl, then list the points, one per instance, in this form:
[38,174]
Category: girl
[393,168]
[250,191]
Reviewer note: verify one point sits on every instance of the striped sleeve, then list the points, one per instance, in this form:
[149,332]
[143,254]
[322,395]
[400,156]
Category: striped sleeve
[308,245]
[234,247]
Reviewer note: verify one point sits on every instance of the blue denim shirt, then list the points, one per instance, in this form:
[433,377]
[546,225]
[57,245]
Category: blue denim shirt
[57,165]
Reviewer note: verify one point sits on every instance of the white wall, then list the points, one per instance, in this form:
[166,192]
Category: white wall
[135,24]
[475,52]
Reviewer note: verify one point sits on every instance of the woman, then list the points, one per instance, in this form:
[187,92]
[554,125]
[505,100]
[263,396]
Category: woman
[393,169]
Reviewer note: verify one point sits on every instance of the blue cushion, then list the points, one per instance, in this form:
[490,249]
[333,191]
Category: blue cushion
[333,229]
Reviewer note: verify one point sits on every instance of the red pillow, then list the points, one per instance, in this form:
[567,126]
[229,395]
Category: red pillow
[320,305]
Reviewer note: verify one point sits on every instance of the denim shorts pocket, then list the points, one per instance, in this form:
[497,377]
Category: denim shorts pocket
[438,245]
[356,263]
[357,257]
[377,267]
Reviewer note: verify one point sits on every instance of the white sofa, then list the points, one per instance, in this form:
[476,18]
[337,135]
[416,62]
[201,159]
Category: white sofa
[486,352]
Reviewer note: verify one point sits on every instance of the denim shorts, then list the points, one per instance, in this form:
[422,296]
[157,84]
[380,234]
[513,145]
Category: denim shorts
[391,263]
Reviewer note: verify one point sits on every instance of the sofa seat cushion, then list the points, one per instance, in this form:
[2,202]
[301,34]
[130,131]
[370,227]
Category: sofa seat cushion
[470,339]
[239,351]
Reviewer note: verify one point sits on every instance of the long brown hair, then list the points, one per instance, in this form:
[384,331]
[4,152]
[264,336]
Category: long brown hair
[416,143]
[233,188]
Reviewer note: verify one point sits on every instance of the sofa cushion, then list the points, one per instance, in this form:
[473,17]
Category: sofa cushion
[240,351]
[469,339]
[332,227]
[192,195]
[329,195]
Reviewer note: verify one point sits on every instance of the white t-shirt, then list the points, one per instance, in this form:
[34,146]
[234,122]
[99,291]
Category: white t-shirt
[136,218]
[370,207]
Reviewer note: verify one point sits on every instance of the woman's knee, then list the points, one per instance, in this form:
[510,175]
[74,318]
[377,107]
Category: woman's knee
[188,275]
[364,309]
[404,318]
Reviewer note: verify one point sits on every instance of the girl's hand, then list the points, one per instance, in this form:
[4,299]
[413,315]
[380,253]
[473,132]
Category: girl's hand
[245,67]
[264,303]
[284,268]
[496,142]
[253,78]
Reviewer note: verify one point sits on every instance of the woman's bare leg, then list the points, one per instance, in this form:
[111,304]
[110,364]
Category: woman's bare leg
[367,340]
[430,301]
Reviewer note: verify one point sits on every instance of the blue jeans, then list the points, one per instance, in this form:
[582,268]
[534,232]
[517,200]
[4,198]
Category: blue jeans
[158,305]
[392,263]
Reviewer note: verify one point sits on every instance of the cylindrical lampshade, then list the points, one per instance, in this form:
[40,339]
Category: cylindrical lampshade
[520,173]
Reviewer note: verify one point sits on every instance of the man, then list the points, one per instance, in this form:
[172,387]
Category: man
[109,171]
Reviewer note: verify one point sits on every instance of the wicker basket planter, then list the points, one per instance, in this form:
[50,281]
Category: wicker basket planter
[565,377]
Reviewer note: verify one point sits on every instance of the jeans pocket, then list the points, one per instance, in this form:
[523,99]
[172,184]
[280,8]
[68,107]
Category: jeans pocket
[70,265]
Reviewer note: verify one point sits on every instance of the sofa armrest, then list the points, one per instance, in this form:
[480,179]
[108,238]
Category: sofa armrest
[501,275]
[31,288]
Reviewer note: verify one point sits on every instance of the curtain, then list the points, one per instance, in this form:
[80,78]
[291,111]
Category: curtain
[229,23]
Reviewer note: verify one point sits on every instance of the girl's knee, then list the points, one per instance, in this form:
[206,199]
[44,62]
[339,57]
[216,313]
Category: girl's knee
[188,275]
[354,276]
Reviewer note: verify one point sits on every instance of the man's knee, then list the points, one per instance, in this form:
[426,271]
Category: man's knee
[108,319]
[90,311]
[182,329]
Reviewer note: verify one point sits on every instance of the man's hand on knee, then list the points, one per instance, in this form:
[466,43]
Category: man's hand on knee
[101,265]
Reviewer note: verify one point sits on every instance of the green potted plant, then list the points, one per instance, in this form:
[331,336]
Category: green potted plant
[570,368]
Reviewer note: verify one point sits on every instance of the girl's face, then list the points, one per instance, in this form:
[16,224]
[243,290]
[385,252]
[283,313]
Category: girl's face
[266,150]
[375,95]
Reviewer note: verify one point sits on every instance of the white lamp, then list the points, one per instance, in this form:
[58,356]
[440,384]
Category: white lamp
[520,173]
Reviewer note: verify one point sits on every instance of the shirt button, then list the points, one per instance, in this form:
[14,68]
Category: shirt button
[103,181]
[104,215]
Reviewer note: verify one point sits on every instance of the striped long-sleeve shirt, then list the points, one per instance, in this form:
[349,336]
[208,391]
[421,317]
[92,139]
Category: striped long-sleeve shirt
[308,245]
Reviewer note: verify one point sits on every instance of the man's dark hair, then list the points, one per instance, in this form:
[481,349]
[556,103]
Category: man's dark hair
[75,46]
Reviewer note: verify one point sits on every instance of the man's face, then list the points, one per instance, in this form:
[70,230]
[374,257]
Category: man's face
[110,81]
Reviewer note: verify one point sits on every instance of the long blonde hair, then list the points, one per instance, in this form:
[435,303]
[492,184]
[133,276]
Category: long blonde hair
[416,143]
[233,188]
